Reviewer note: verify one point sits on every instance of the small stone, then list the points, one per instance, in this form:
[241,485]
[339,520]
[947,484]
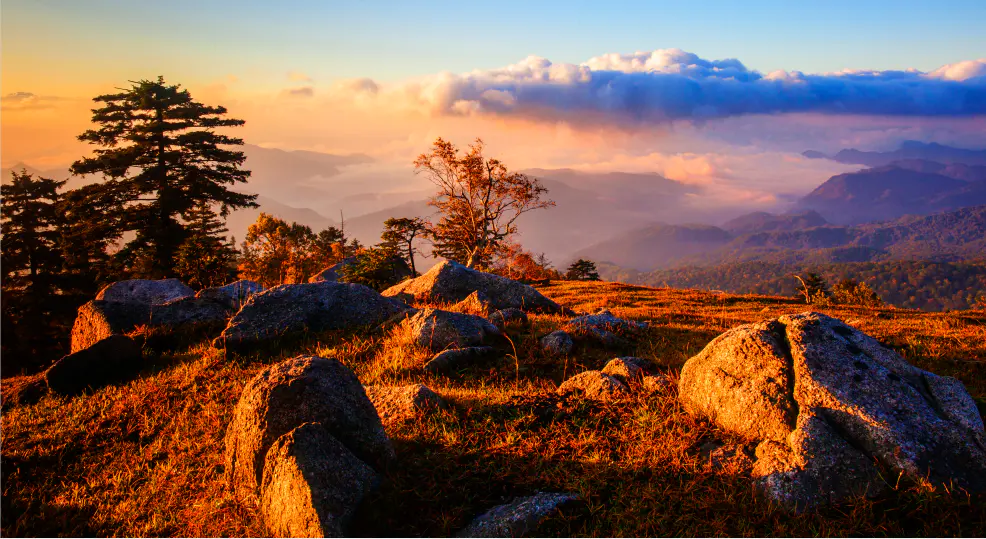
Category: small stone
[520,517]
[627,369]
[449,361]
[557,343]
[396,404]
[596,386]
[656,384]
[504,317]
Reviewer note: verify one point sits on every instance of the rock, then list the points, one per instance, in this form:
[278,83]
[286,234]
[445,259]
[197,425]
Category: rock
[395,404]
[98,319]
[24,391]
[825,401]
[627,369]
[596,386]
[520,517]
[557,343]
[284,396]
[604,328]
[312,484]
[656,384]
[234,295]
[295,308]
[145,291]
[116,358]
[449,282]
[438,330]
[449,361]
[333,272]
[476,303]
[502,318]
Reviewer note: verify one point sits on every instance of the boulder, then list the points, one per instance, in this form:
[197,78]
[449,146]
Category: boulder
[824,401]
[284,396]
[116,358]
[627,369]
[439,330]
[333,272]
[396,404]
[312,484]
[234,295]
[557,343]
[99,319]
[520,517]
[448,361]
[476,303]
[604,328]
[594,385]
[295,308]
[449,282]
[504,317]
[147,291]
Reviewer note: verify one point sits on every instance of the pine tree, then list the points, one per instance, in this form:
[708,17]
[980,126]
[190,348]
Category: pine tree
[90,224]
[206,258]
[399,235]
[161,154]
[582,270]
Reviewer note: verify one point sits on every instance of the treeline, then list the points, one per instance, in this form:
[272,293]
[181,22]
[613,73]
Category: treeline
[912,284]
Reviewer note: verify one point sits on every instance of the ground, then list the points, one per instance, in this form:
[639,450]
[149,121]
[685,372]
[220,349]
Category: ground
[145,458]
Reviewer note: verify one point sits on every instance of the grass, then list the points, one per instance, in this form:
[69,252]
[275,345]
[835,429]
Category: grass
[145,458]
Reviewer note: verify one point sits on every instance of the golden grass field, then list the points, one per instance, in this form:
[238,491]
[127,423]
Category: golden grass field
[146,458]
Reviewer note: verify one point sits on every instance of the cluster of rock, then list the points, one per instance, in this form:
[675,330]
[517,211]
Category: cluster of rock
[619,379]
[602,328]
[306,446]
[827,406]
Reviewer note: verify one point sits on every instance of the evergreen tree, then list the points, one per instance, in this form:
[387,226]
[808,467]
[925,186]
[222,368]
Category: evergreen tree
[90,225]
[161,155]
[582,270]
[329,246]
[399,235]
[813,288]
[206,258]
[30,259]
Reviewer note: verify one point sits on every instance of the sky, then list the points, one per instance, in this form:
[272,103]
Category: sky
[726,93]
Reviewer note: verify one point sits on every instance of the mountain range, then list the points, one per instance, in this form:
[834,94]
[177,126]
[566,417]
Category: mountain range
[910,149]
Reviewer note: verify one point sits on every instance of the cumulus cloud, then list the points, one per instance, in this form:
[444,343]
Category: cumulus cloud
[671,84]
[27,101]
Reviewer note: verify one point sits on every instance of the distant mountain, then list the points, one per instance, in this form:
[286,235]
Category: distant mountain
[765,222]
[910,149]
[656,246]
[900,188]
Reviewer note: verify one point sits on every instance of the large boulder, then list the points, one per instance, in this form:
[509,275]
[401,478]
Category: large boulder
[233,294]
[449,282]
[296,308]
[306,389]
[99,319]
[312,484]
[396,404]
[116,358]
[825,401]
[150,292]
[437,330]
[520,517]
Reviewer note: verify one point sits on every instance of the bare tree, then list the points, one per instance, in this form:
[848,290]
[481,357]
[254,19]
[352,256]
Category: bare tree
[479,200]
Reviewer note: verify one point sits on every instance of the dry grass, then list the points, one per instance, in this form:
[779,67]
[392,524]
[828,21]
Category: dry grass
[145,458]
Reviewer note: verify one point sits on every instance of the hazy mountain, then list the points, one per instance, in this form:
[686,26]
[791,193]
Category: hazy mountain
[656,246]
[910,149]
[764,222]
[894,190]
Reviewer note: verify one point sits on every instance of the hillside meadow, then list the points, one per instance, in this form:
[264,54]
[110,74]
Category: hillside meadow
[146,458]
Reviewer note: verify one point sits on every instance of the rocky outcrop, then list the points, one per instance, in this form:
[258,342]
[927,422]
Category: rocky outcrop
[440,330]
[824,401]
[557,343]
[449,282]
[296,308]
[396,404]
[306,442]
[448,361]
[594,385]
[519,518]
[604,328]
[150,292]
[233,295]
[116,358]
[505,317]
[99,319]
[312,484]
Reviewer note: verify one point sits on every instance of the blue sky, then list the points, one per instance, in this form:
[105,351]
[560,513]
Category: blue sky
[47,40]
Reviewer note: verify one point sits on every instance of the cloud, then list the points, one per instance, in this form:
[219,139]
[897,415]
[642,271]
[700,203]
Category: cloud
[27,101]
[304,91]
[297,76]
[669,85]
